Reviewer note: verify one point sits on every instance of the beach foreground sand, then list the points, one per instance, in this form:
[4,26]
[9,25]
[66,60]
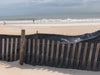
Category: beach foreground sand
[63,29]
[13,68]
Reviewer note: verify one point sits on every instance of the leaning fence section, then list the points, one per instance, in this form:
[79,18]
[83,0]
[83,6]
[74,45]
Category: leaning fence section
[35,51]
[59,54]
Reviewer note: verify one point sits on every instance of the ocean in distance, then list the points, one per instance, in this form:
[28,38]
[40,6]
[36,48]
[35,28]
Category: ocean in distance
[65,18]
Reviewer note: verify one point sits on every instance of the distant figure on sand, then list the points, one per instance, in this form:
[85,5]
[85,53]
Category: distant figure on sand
[4,22]
[33,20]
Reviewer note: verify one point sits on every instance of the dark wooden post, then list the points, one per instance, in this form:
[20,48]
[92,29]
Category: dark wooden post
[22,47]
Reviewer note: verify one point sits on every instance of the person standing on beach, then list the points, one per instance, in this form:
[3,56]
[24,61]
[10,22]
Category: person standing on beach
[4,23]
[33,20]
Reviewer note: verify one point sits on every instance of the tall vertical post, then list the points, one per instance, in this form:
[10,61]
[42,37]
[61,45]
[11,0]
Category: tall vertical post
[22,47]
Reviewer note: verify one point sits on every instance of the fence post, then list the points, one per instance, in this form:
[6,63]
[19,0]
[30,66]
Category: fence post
[22,47]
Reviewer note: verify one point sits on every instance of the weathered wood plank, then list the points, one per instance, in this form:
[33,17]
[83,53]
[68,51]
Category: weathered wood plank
[90,56]
[3,48]
[38,48]
[7,47]
[11,49]
[96,56]
[57,52]
[67,55]
[78,54]
[47,53]
[16,44]
[52,50]
[29,48]
[84,54]
[62,53]
[73,53]
[42,55]
[33,52]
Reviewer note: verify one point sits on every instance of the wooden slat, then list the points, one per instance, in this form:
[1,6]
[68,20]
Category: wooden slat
[78,54]
[57,52]
[96,56]
[73,53]
[29,48]
[11,50]
[16,43]
[3,48]
[84,54]
[42,55]
[62,53]
[38,48]
[67,55]
[7,46]
[52,50]
[99,67]
[90,56]
[47,53]
[33,52]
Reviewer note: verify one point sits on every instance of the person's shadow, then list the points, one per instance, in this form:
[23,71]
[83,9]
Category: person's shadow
[49,69]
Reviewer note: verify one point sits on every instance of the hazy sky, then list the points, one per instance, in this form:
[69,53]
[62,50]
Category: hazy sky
[41,7]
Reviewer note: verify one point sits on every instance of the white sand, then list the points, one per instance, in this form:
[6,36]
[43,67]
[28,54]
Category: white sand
[64,29]
[13,68]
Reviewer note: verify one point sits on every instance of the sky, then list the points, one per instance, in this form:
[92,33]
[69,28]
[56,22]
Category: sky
[47,7]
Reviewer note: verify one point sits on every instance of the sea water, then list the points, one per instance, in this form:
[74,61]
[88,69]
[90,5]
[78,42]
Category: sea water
[65,18]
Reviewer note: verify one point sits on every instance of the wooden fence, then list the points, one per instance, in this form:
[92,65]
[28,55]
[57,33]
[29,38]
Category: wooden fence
[32,51]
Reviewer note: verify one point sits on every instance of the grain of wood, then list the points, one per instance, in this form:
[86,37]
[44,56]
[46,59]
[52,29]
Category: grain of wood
[52,50]
[57,52]
[3,48]
[84,54]
[73,53]
[29,48]
[90,56]
[11,50]
[96,56]
[38,48]
[78,55]
[68,50]
[22,47]
[33,52]
[62,53]
[16,44]
[42,55]
[47,53]
[7,47]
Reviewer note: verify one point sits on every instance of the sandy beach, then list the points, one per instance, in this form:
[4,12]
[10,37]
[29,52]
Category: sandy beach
[13,68]
[62,29]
